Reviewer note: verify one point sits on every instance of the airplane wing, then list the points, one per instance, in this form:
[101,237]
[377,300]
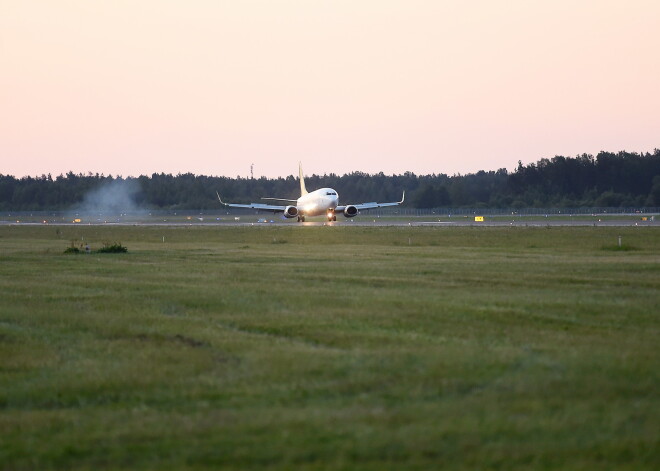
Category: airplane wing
[259,206]
[373,205]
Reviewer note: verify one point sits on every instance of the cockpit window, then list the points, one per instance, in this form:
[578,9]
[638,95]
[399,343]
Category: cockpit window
[331,193]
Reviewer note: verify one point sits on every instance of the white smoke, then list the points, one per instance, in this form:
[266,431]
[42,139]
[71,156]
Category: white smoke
[113,197]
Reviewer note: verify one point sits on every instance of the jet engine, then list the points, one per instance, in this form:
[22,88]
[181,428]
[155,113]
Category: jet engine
[350,211]
[290,212]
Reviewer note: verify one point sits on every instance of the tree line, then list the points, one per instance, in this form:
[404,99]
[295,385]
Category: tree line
[622,179]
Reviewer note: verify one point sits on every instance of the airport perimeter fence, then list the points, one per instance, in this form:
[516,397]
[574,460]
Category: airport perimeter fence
[514,211]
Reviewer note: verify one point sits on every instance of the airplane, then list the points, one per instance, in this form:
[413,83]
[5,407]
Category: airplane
[318,202]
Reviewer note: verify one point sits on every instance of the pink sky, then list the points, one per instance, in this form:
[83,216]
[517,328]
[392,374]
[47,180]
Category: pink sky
[129,87]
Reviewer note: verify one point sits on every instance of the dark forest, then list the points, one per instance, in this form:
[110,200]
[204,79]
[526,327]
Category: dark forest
[620,179]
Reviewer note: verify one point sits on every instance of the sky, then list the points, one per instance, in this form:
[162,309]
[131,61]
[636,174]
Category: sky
[132,87]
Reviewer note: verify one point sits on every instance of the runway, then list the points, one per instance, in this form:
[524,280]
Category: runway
[610,221]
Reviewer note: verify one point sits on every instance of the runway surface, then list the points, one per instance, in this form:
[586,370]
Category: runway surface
[360,222]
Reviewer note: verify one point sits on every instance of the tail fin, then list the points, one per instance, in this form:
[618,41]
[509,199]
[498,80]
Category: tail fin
[303,190]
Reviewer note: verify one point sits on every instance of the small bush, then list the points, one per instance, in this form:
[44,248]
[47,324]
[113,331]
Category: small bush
[112,248]
[72,248]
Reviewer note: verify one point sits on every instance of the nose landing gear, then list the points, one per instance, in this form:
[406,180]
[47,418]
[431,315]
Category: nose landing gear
[331,216]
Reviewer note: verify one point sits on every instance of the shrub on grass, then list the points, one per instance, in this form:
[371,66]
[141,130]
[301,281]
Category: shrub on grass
[112,248]
[72,248]
[108,247]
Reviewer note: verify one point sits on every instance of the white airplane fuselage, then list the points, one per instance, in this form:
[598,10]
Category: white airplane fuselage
[318,202]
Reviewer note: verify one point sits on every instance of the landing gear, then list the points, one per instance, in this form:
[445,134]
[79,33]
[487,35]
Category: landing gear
[331,216]
[301,218]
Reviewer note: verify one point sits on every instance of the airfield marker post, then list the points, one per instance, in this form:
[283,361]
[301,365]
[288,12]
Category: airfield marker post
[619,241]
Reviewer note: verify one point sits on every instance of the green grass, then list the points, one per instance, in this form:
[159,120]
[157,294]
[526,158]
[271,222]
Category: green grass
[318,348]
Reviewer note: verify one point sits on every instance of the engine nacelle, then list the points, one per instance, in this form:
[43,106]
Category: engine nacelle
[350,211]
[290,212]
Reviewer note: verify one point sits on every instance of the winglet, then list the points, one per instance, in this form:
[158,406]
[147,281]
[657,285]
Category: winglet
[220,199]
[303,190]
[403,197]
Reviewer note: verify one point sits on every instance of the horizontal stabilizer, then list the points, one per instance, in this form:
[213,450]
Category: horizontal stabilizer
[279,199]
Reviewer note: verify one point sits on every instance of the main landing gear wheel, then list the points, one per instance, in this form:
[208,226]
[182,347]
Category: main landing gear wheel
[301,218]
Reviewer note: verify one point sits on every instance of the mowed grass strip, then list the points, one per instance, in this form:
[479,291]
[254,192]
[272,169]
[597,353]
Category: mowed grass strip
[329,348]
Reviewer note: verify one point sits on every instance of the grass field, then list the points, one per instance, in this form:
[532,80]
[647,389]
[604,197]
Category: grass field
[318,348]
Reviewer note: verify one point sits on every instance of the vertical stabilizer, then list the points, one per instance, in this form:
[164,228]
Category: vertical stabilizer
[303,190]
